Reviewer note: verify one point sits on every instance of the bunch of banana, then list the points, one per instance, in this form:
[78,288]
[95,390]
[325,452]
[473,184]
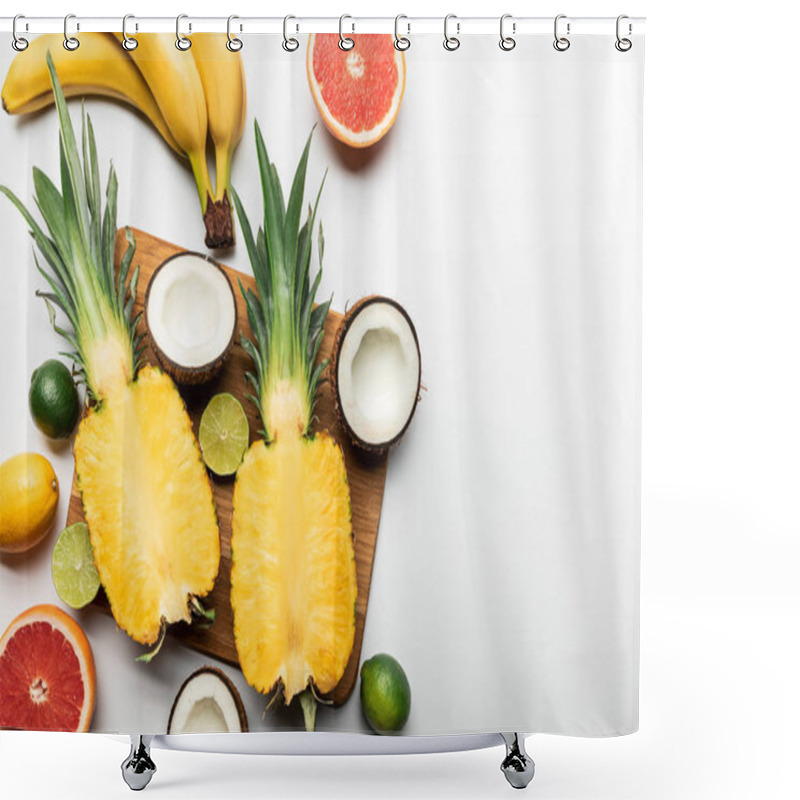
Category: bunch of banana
[186,95]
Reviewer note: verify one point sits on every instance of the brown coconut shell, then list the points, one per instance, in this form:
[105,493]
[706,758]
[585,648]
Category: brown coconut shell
[333,372]
[237,698]
[191,376]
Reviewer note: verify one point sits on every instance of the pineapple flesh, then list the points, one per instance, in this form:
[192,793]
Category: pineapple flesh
[148,504]
[293,588]
[293,578]
[146,494]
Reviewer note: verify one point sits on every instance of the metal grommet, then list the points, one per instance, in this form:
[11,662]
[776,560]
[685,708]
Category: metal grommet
[345,42]
[507,42]
[561,43]
[401,42]
[451,42]
[70,42]
[182,42]
[19,43]
[234,43]
[623,44]
[128,42]
[290,44]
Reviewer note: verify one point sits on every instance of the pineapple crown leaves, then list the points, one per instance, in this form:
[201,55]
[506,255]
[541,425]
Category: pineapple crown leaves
[77,247]
[287,327]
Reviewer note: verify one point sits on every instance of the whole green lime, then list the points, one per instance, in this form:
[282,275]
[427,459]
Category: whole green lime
[53,400]
[385,693]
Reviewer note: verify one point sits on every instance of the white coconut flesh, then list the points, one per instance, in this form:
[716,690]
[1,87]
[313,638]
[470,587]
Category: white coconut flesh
[191,311]
[378,371]
[205,704]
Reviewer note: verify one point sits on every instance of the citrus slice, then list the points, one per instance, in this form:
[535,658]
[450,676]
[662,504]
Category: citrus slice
[357,91]
[47,677]
[74,571]
[224,434]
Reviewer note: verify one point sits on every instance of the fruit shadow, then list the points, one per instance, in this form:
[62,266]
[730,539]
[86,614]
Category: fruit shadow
[23,121]
[26,560]
[356,159]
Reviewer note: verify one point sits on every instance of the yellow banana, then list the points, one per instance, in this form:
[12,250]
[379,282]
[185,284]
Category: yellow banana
[175,83]
[222,74]
[99,67]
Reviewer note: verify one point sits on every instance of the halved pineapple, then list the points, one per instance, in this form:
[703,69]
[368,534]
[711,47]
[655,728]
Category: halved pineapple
[293,579]
[148,504]
[146,494]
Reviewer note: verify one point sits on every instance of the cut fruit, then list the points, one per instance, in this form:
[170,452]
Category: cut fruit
[224,434]
[293,579]
[357,91]
[376,372]
[148,503]
[190,312]
[74,572]
[146,494]
[47,675]
[207,702]
[293,573]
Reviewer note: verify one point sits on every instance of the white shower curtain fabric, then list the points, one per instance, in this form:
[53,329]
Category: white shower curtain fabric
[503,211]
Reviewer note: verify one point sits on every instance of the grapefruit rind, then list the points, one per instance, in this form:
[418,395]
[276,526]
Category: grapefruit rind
[74,635]
[364,138]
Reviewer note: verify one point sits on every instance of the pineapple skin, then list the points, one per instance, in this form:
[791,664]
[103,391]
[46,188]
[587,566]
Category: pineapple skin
[148,504]
[293,575]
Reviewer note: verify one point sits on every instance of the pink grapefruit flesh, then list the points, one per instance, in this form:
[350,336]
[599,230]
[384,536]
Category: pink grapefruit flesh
[47,674]
[358,91]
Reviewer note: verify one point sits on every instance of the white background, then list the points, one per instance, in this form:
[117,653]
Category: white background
[721,527]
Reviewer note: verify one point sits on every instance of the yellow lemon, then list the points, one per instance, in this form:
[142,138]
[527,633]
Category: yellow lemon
[28,501]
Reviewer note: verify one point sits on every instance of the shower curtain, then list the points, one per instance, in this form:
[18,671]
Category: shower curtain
[495,545]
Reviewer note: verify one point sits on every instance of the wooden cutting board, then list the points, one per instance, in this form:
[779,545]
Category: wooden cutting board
[366,474]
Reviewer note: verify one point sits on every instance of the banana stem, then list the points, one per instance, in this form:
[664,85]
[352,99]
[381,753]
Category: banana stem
[217,214]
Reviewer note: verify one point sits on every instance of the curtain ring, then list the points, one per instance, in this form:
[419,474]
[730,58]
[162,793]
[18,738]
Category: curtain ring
[181,41]
[345,42]
[623,44]
[70,42]
[507,42]
[401,42]
[289,44]
[234,43]
[128,42]
[561,43]
[18,42]
[451,42]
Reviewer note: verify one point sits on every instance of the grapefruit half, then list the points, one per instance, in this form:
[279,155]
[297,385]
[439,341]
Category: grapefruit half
[356,91]
[47,677]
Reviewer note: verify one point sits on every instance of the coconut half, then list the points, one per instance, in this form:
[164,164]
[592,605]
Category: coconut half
[376,371]
[190,313]
[207,702]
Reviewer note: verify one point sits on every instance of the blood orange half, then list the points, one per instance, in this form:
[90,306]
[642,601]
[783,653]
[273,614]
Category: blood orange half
[357,91]
[47,678]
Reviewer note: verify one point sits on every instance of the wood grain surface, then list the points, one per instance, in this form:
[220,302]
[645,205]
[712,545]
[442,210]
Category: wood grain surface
[366,474]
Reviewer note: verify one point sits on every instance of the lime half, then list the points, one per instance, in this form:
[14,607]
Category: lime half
[224,434]
[74,572]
